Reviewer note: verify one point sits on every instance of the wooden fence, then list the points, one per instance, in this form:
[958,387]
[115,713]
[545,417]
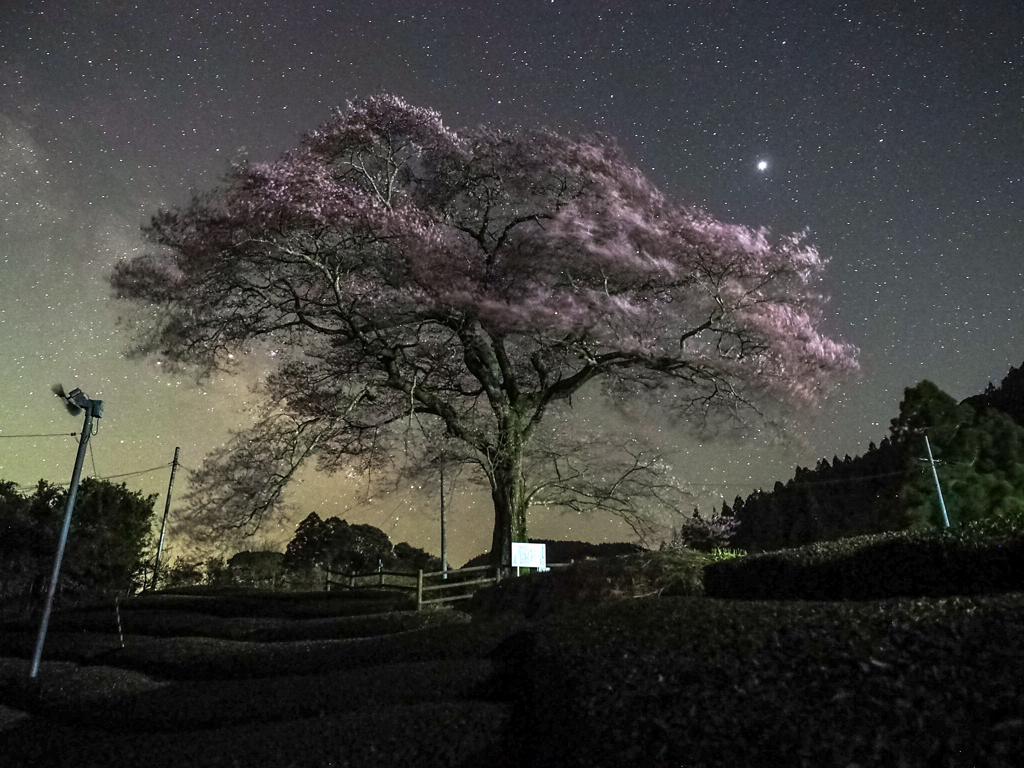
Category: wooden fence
[455,582]
[395,579]
[449,586]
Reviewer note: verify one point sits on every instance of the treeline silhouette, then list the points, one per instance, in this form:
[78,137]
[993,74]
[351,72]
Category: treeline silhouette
[107,549]
[847,497]
[885,488]
[1008,397]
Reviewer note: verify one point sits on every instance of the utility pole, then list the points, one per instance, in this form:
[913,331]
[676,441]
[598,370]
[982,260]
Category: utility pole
[163,525]
[935,474]
[444,540]
[76,401]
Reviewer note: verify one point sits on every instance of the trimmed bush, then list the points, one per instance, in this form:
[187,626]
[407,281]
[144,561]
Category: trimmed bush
[670,573]
[916,563]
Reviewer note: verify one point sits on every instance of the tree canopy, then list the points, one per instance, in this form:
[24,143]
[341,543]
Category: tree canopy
[414,285]
[107,544]
[335,545]
[1008,397]
[980,451]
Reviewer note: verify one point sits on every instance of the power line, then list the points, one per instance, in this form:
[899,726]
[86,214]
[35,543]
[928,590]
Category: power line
[792,483]
[130,474]
[856,479]
[93,457]
[107,477]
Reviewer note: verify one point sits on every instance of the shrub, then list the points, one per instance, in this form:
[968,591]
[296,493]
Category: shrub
[912,563]
[647,574]
[721,553]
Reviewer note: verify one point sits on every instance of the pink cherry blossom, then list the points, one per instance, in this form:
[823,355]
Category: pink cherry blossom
[469,283]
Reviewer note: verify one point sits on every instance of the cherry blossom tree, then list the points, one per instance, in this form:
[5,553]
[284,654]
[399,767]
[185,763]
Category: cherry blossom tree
[462,287]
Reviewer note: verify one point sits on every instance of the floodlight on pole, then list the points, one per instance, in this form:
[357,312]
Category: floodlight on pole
[75,402]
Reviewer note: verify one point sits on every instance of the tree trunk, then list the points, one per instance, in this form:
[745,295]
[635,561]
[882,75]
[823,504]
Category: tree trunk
[508,490]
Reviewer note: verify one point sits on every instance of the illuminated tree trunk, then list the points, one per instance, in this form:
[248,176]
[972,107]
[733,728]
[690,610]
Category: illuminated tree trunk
[508,490]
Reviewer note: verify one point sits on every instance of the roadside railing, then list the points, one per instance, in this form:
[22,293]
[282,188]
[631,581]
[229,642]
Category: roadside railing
[431,588]
[396,579]
[463,583]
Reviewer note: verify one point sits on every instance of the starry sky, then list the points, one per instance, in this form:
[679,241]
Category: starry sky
[892,130]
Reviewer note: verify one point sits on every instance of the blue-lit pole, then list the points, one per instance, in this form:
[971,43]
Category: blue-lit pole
[935,474]
[92,408]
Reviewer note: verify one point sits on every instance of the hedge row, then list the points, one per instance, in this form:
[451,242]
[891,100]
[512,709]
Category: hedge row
[898,564]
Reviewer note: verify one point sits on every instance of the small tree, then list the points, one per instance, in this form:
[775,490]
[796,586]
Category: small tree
[704,534]
[335,545]
[110,536]
[410,558]
[215,571]
[107,544]
[255,569]
[183,572]
[409,283]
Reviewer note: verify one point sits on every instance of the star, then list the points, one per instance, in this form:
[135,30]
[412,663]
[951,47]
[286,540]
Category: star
[762,165]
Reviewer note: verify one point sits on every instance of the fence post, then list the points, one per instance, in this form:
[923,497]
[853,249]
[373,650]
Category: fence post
[419,590]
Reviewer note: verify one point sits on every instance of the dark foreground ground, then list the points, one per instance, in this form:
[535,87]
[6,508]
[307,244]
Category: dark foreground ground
[327,680]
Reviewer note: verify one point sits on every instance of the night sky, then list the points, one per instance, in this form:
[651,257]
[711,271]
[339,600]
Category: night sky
[893,130]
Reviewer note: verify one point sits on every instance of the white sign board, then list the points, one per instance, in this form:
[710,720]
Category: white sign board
[529,555]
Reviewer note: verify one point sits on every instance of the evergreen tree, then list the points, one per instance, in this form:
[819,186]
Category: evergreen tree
[1008,397]
[335,545]
[979,447]
[107,544]
[980,453]
[255,569]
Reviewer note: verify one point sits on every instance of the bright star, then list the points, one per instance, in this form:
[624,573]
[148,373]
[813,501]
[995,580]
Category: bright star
[762,165]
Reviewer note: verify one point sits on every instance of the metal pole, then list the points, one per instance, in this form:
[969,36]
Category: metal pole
[935,474]
[72,491]
[163,525]
[444,540]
